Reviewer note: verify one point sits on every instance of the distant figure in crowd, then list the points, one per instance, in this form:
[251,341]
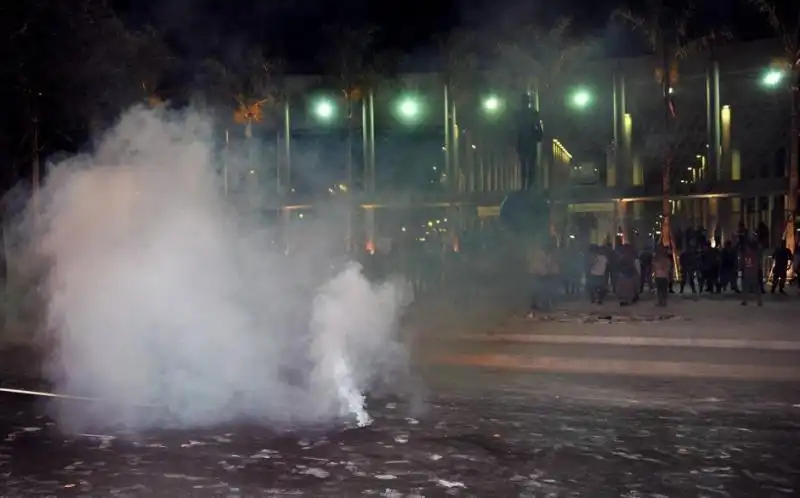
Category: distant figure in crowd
[539,266]
[796,264]
[709,269]
[751,273]
[571,263]
[628,280]
[688,267]
[781,259]
[662,271]
[597,274]
[728,271]
[612,262]
[646,262]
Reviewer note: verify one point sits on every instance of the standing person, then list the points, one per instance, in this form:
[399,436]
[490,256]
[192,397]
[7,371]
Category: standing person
[571,268]
[627,288]
[554,271]
[728,268]
[688,266]
[710,263]
[646,273]
[751,272]
[662,269]
[539,269]
[597,274]
[796,264]
[781,258]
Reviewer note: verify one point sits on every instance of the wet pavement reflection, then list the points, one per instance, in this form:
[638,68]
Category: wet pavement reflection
[512,439]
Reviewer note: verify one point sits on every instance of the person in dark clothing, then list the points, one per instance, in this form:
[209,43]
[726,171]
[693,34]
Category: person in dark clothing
[688,263]
[709,269]
[597,274]
[728,268]
[781,258]
[646,262]
[671,256]
[612,256]
[662,269]
[627,280]
[751,272]
[741,236]
[762,233]
[529,134]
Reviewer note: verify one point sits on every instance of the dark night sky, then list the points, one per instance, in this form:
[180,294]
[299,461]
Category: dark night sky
[293,27]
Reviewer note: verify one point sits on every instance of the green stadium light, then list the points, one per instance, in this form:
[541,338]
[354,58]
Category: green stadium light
[492,104]
[772,78]
[409,109]
[581,98]
[324,109]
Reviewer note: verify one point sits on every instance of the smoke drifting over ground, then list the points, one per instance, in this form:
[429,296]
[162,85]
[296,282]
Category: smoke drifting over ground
[160,293]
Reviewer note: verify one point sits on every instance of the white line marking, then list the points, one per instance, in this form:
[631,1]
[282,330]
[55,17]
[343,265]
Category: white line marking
[68,396]
[623,367]
[674,342]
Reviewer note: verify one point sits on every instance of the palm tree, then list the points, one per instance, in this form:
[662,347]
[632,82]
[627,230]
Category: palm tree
[535,55]
[784,18]
[669,37]
[356,66]
[248,92]
[152,59]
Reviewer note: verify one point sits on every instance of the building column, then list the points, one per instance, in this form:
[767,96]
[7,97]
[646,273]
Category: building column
[713,112]
[369,229]
[622,138]
[726,159]
[622,223]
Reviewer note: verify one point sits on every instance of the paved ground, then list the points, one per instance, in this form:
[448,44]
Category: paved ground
[706,338]
[480,433]
[498,428]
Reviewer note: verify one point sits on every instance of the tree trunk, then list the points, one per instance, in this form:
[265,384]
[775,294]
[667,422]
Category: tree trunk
[36,165]
[794,164]
[225,155]
[666,173]
[348,152]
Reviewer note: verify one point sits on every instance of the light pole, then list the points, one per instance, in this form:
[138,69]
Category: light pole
[409,109]
[324,110]
[775,78]
[581,98]
[492,105]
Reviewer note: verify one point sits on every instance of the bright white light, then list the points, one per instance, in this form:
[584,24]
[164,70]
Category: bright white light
[324,109]
[491,104]
[409,108]
[772,78]
[581,98]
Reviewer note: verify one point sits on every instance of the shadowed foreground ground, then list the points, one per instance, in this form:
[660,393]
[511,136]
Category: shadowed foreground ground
[483,433]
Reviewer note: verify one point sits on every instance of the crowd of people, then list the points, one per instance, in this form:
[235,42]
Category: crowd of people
[744,265]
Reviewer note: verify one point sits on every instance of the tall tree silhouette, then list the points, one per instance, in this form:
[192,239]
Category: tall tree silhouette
[667,28]
[784,18]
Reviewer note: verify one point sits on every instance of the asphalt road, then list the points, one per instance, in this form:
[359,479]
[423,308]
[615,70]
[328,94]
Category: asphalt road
[478,433]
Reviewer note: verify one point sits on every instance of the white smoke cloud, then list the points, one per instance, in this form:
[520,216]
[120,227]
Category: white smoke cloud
[160,294]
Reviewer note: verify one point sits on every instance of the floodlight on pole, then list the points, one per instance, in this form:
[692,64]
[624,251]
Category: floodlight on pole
[581,98]
[492,104]
[324,109]
[772,78]
[409,109]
